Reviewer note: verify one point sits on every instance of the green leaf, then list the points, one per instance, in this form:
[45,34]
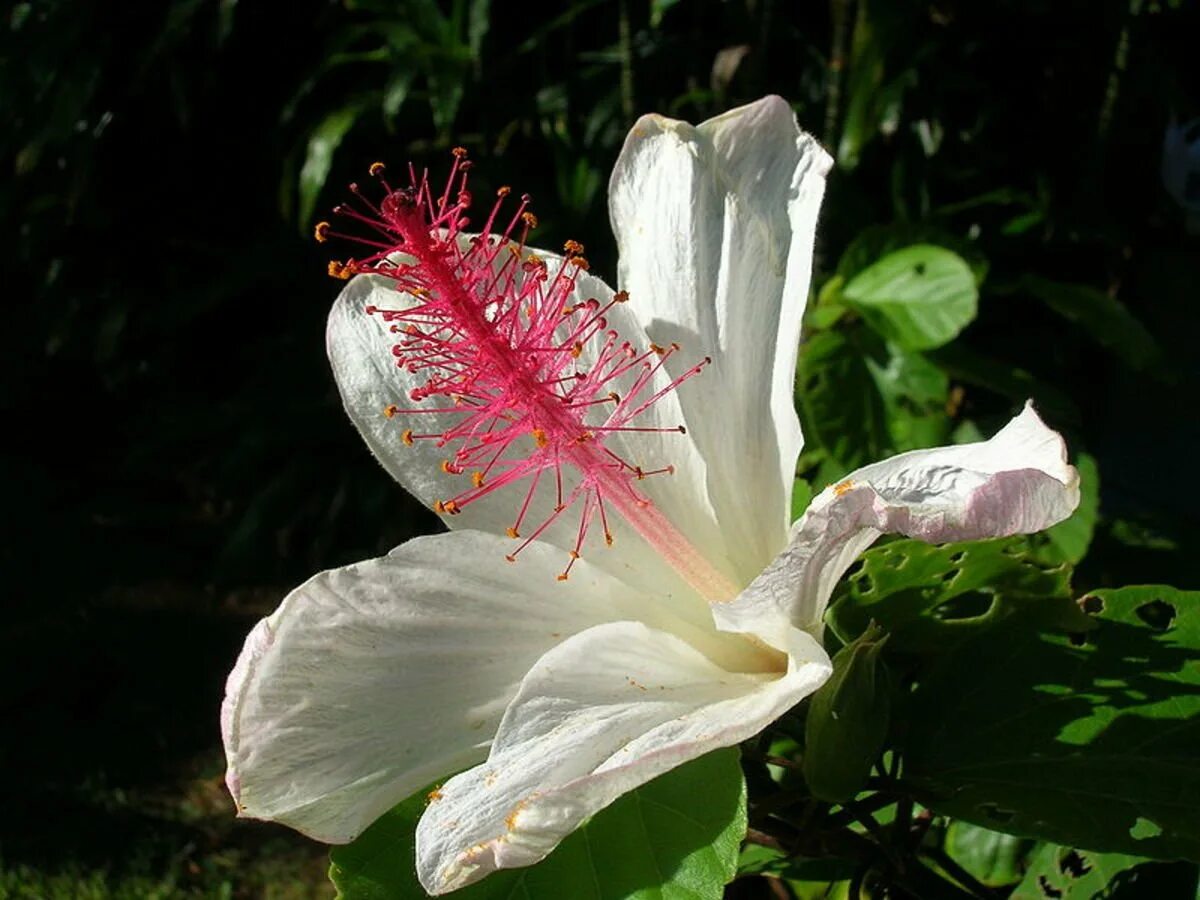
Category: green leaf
[318,157]
[1068,541]
[1073,874]
[914,393]
[930,597]
[1105,318]
[877,241]
[676,838]
[1084,740]
[802,495]
[919,297]
[847,722]
[396,92]
[995,858]
[840,407]
[1066,874]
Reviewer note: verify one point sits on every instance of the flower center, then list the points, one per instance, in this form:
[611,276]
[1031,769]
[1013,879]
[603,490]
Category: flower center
[538,385]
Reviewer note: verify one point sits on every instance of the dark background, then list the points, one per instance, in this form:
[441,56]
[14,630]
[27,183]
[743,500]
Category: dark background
[175,456]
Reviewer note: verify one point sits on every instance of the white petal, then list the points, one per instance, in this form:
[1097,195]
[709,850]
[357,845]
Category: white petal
[715,227]
[360,352]
[1017,482]
[601,714]
[370,681]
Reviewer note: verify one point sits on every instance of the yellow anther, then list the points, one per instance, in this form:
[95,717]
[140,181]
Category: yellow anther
[574,554]
[657,349]
[452,508]
[534,260]
[503,191]
[449,467]
[529,219]
[573,248]
[321,232]
[620,296]
[562,576]
[580,263]
[434,796]
[459,152]
[510,821]
[340,270]
[512,532]
[439,507]
[407,437]
[376,169]
[843,488]
[540,437]
[477,479]
[576,349]
[608,538]
[390,410]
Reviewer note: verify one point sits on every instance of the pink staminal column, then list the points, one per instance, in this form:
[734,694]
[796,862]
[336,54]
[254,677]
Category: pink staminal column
[499,341]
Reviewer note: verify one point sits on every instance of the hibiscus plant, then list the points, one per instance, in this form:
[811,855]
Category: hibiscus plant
[635,664]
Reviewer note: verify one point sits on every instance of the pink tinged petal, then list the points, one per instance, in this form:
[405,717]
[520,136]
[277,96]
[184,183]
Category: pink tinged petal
[597,716]
[1017,482]
[715,227]
[371,680]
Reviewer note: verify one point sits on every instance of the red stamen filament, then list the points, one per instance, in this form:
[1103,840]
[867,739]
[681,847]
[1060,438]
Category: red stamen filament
[495,333]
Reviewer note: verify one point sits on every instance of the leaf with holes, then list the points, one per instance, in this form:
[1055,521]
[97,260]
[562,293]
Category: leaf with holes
[1084,740]
[932,597]
[1060,873]
[919,297]
[676,838]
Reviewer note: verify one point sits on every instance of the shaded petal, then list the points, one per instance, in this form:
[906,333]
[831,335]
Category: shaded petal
[1017,482]
[599,715]
[715,227]
[360,352]
[371,680]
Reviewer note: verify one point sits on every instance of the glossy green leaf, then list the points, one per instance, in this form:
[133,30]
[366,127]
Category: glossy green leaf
[676,838]
[919,297]
[877,241]
[847,722]
[1084,740]
[930,597]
